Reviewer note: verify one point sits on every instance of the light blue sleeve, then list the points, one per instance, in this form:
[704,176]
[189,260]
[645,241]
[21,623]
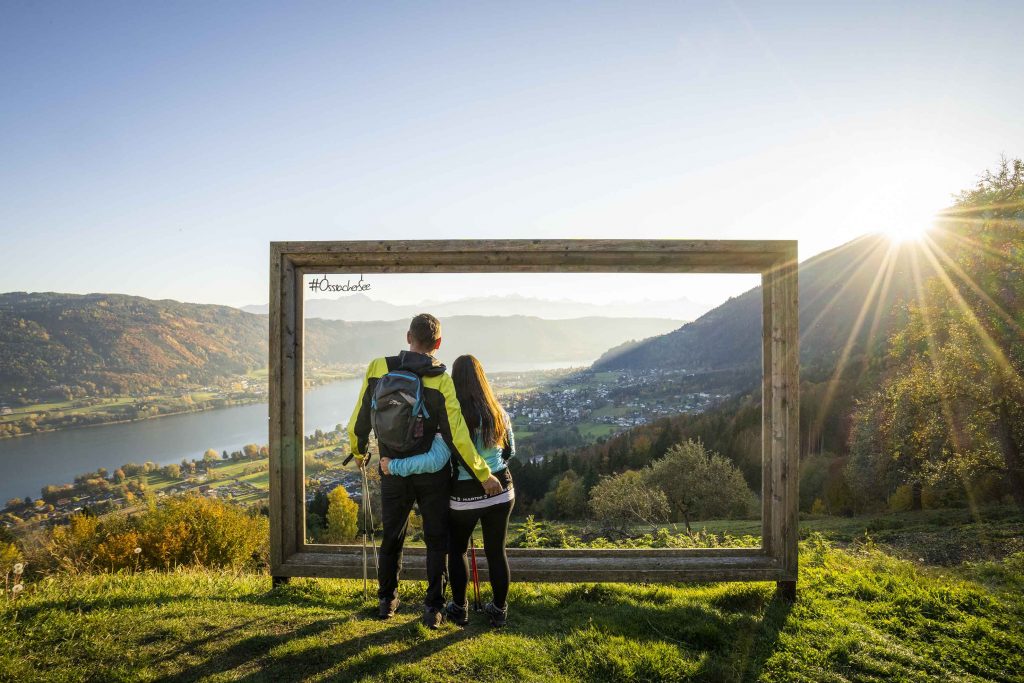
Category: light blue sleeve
[509,451]
[423,463]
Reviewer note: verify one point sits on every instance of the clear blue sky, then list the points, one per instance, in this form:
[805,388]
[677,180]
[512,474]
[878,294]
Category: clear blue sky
[155,148]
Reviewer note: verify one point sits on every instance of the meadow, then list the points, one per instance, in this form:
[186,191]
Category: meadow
[862,614]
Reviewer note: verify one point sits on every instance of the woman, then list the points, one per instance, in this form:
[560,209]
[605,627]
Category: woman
[491,429]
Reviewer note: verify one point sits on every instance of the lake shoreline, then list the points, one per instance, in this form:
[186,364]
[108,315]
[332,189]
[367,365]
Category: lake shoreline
[70,428]
[105,423]
[59,455]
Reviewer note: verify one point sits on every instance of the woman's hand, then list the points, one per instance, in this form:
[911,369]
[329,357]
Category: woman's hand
[492,486]
[384,465]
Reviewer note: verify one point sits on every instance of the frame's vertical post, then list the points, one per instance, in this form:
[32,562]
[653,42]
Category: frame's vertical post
[298,483]
[768,491]
[276,410]
[285,402]
[784,420]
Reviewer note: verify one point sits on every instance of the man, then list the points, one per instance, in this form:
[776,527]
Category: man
[429,491]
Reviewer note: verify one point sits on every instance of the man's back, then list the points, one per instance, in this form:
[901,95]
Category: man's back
[444,415]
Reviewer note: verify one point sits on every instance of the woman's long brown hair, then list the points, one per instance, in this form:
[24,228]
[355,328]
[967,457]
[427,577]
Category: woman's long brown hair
[483,413]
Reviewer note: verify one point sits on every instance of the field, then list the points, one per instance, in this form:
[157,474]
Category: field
[863,614]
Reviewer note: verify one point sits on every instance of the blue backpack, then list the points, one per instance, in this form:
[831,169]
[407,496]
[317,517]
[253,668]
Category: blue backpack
[397,411]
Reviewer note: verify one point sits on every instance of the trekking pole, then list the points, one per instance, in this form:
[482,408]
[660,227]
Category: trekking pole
[365,587]
[476,576]
[369,513]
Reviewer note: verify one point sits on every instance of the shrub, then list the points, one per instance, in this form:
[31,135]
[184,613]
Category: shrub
[901,499]
[701,484]
[73,547]
[9,556]
[192,530]
[184,530]
[625,499]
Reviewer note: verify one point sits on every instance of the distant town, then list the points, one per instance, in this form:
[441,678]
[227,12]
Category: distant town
[621,399]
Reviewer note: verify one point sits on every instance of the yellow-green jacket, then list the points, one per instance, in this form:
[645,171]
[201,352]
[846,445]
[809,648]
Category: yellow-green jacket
[445,416]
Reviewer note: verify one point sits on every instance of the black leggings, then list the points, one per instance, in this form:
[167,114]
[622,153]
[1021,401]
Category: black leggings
[494,521]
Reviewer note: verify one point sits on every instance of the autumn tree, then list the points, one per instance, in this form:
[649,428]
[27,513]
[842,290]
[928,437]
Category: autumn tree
[951,406]
[342,516]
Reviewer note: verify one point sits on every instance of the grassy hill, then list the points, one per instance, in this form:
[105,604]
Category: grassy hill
[861,615]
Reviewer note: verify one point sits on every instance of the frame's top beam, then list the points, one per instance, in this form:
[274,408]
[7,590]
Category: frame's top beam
[569,255]
[780,247]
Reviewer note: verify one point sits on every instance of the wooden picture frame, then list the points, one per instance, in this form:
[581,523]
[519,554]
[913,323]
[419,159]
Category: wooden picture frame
[775,260]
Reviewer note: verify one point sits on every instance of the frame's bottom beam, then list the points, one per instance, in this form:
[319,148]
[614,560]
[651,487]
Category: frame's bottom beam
[633,569]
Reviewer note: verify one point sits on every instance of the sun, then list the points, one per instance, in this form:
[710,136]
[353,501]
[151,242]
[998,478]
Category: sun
[907,232]
[907,218]
[902,202]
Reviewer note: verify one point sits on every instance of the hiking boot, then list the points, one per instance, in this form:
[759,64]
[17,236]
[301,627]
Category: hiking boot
[433,617]
[496,614]
[456,614]
[388,608]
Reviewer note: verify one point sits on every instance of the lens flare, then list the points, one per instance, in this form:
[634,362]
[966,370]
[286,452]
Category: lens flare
[907,232]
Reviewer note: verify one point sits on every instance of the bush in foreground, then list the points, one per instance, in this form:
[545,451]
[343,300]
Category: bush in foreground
[178,531]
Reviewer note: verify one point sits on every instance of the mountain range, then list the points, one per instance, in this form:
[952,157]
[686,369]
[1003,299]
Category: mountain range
[847,302]
[55,344]
[115,343]
[360,307]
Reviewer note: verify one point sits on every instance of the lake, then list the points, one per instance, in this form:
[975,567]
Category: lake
[31,462]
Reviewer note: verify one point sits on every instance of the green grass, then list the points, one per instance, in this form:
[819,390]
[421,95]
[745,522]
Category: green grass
[75,407]
[613,411]
[941,537]
[861,615]
[258,479]
[595,430]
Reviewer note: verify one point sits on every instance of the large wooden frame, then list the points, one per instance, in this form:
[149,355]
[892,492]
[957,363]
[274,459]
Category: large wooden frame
[776,261]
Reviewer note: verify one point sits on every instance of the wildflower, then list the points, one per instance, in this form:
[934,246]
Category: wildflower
[137,551]
[19,568]
[17,588]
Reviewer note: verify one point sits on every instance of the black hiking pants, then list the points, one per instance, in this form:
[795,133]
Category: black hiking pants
[494,523]
[430,492]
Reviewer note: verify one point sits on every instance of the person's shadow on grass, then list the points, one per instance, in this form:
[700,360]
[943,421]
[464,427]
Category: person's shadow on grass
[373,651]
[724,637]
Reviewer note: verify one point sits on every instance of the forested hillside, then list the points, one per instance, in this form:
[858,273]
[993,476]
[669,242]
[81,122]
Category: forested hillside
[55,345]
[911,390]
[70,345]
[847,296]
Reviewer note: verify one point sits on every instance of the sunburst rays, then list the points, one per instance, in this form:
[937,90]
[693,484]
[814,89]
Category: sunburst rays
[877,292]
